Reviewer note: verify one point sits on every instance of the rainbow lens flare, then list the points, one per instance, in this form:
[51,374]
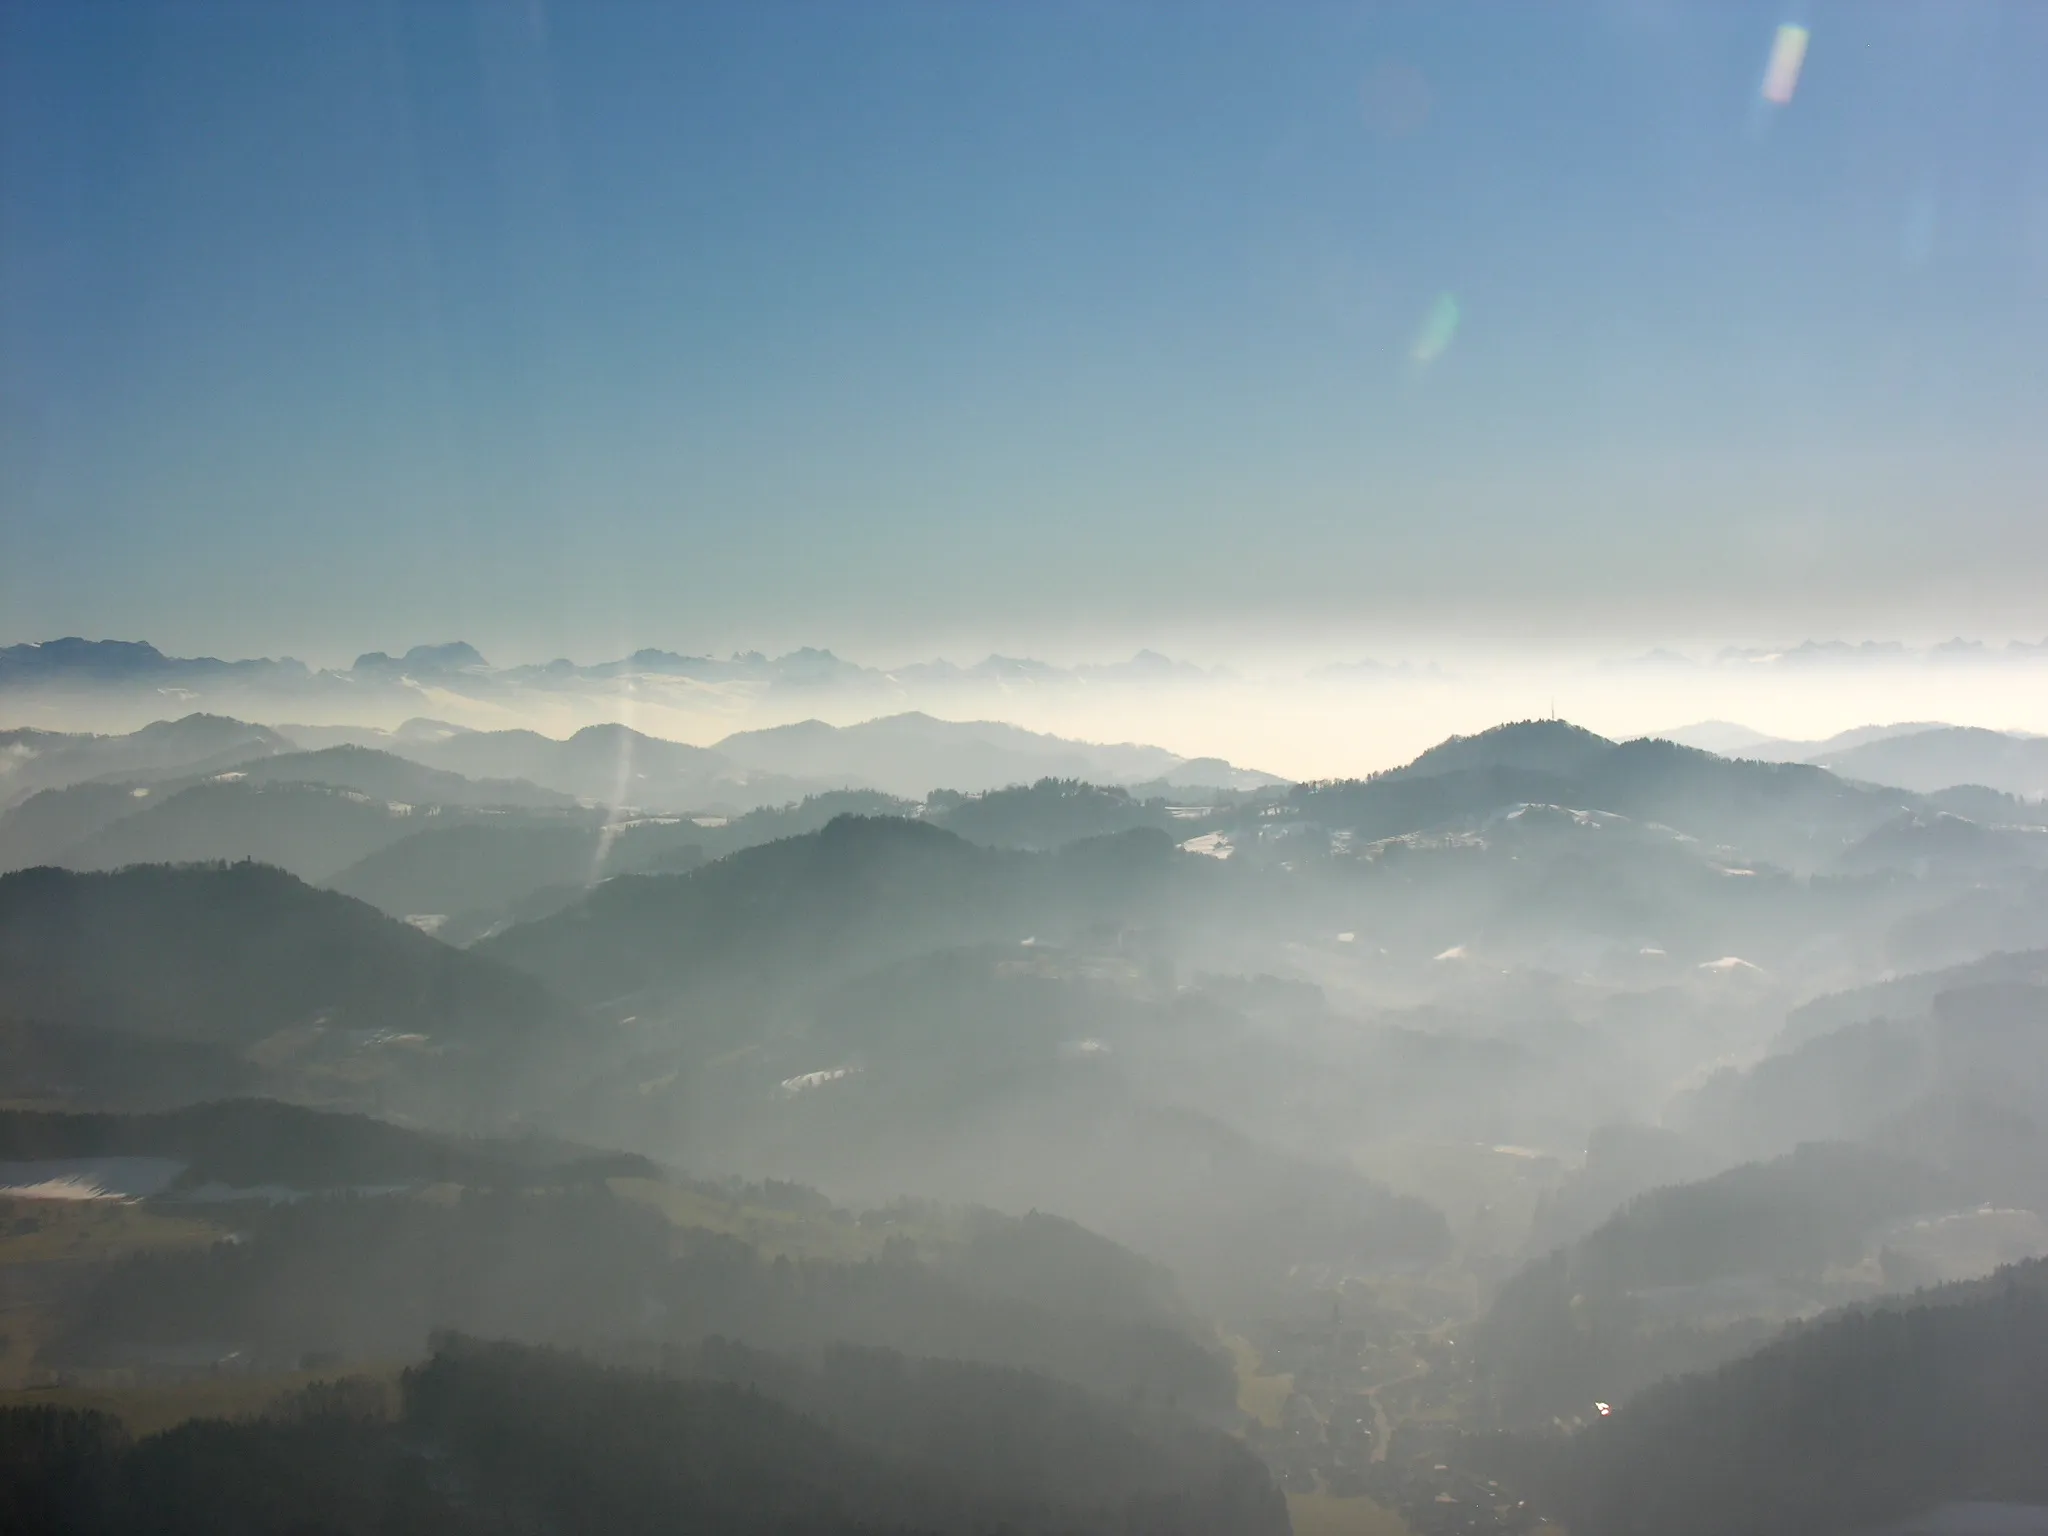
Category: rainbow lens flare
[1438,327]
[1788,53]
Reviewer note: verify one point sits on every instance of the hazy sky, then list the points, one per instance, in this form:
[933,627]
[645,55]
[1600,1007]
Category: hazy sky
[575,327]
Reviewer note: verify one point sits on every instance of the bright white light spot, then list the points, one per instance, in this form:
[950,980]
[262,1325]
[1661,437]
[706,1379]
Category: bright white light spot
[806,1080]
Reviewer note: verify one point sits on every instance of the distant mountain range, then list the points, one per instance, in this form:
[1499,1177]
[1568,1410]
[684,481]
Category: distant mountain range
[431,762]
[1925,756]
[74,665]
[1847,653]
[908,754]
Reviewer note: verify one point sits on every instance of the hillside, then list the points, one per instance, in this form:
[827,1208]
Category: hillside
[1047,814]
[1981,1042]
[387,776]
[733,1441]
[229,954]
[1937,758]
[246,1143]
[1686,1276]
[1531,746]
[390,1235]
[913,754]
[1859,1420]
[1909,997]
[1941,844]
[1794,815]
[859,892]
[194,745]
[612,765]
[482,875]
[51,822]
[310,829]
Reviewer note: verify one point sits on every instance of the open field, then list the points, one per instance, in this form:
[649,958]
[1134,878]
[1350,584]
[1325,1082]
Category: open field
[1258,1395]
[1323,1514]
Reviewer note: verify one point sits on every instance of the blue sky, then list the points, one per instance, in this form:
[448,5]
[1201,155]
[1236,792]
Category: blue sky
[575,327]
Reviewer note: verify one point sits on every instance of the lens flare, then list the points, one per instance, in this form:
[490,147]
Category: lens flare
[1781,74]
[1438,327]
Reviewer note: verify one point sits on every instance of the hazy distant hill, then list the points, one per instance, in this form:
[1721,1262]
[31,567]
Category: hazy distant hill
[767,823]
[857,893]
[907,755]
[1938,843]
[1920,755]
[1836,1085]
[2008,915]
[912,754]
[1973,1042]
[1622,1161]
[1993,807]
[195,745]
[1939,757]
[1048,814]
[481,875]
[51,822]
[904,756]
[612,765]
[1909,997]
[387,776]
[310,829]
[1791,814]
[1722,736]
[314,813]
[1731,740]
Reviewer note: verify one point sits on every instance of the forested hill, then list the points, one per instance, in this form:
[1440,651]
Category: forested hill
[1842,1427]
[1792,814]
[227,954]
[252,1142]
[1583,1323]
[497,1439]
[857,894]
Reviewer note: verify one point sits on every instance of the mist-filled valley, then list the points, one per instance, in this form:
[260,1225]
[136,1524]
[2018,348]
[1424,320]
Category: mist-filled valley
[437,1128]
